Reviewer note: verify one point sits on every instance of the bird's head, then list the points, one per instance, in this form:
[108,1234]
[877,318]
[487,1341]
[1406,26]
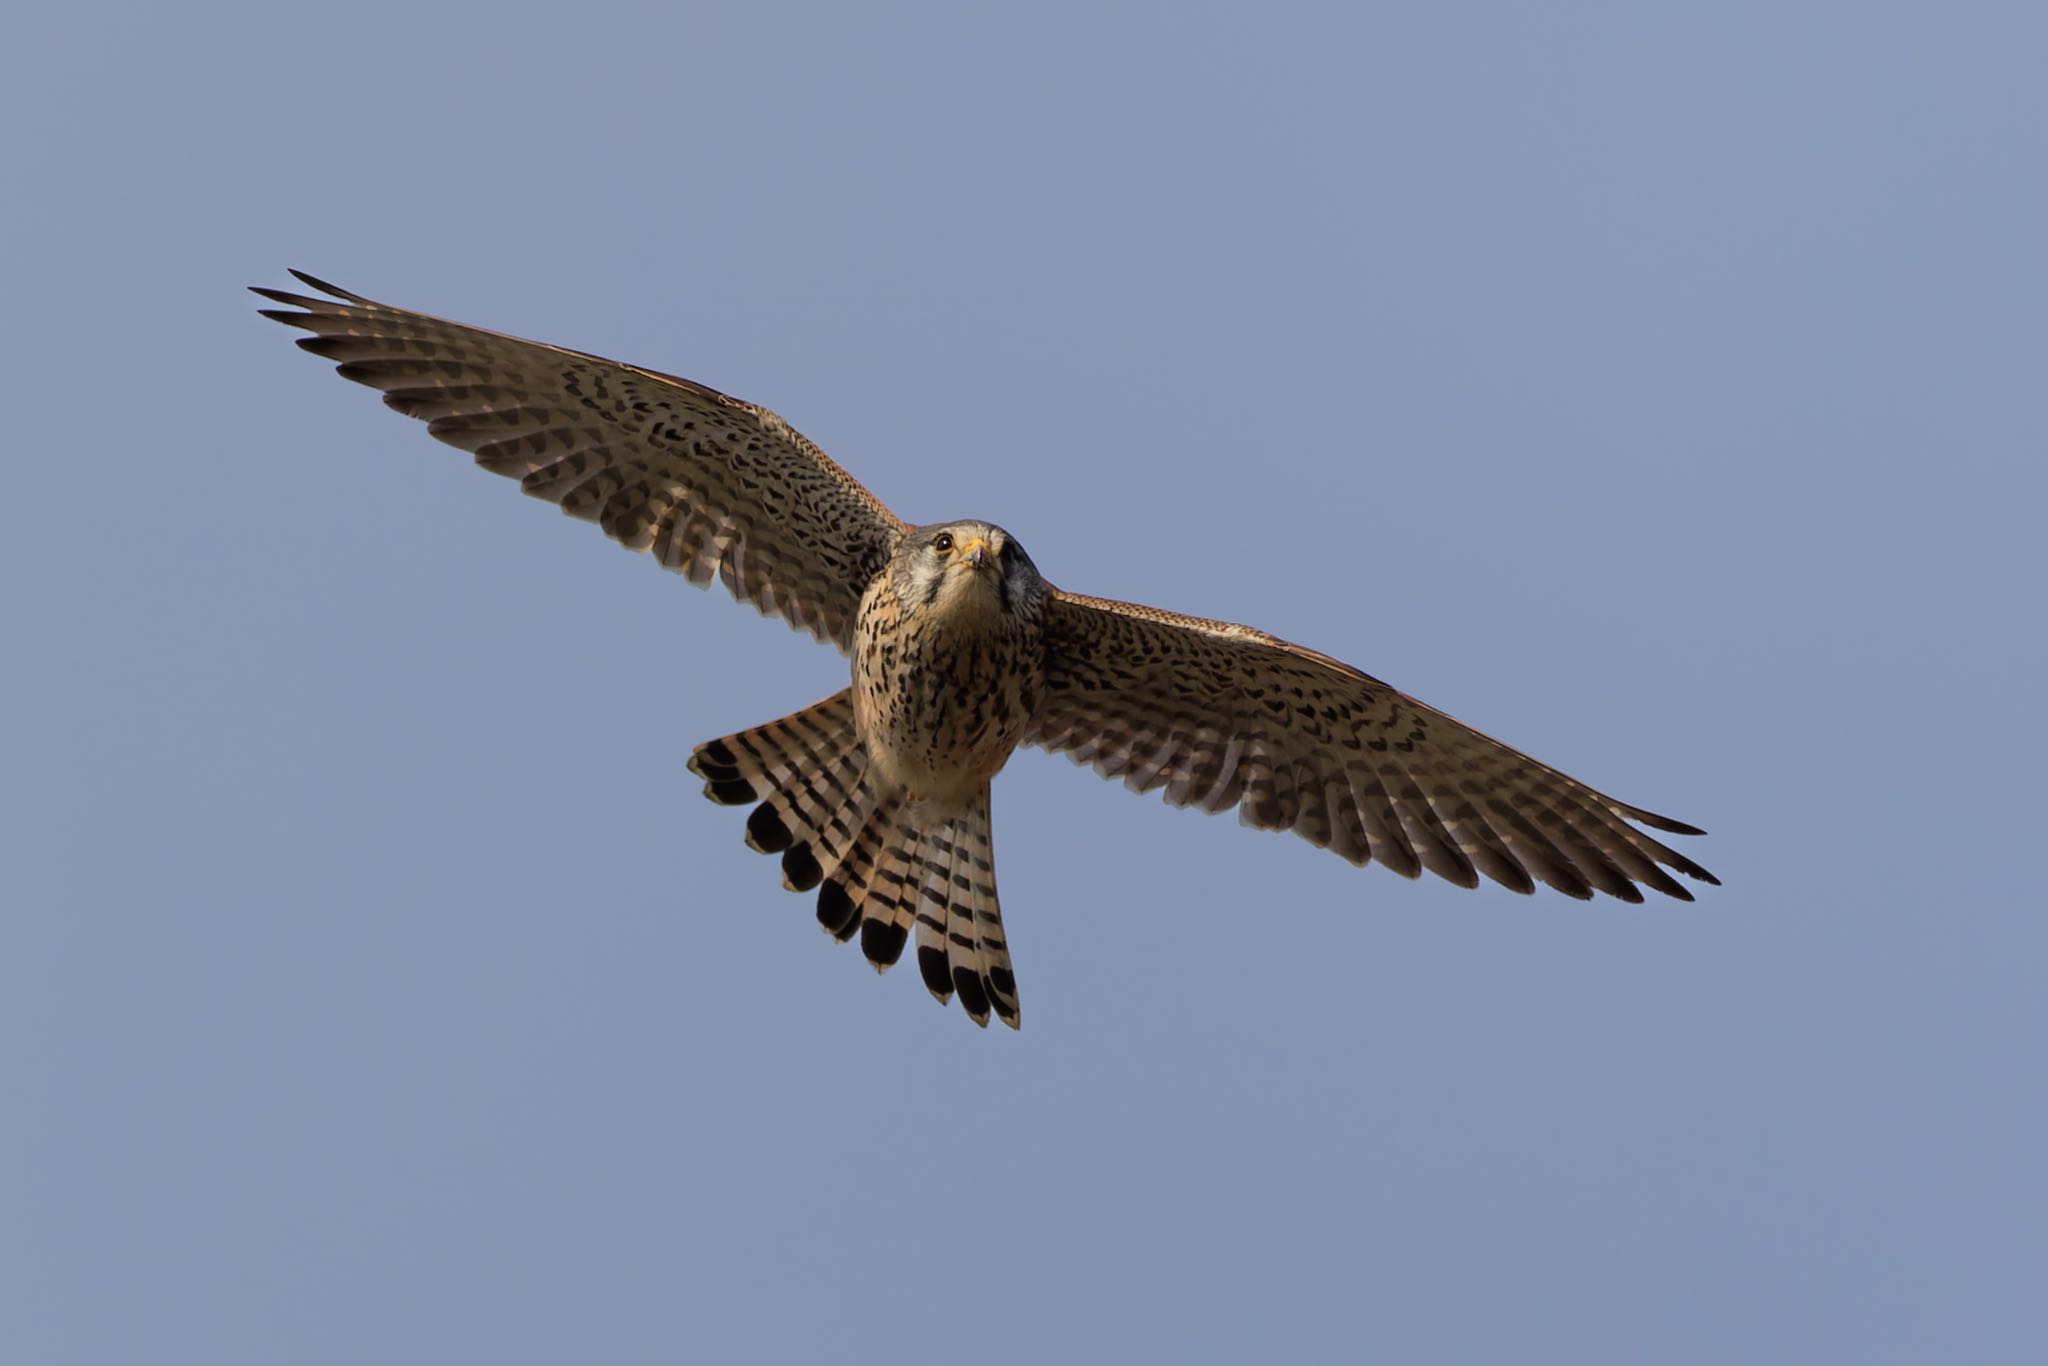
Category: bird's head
[969,567]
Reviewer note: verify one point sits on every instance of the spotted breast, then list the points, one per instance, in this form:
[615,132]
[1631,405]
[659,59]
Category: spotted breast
[946,664]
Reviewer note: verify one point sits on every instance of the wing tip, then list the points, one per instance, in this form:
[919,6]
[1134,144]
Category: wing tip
[1664,823]
[332,291]
[282,296]
[301,301]
[1669,858]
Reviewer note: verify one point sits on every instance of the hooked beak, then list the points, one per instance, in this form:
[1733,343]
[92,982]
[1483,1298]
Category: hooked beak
[975,554]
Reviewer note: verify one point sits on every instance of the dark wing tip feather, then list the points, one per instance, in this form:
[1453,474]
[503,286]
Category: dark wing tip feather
[359,372]
[1664,823]
[1507,873]
[283,296]
[332,291]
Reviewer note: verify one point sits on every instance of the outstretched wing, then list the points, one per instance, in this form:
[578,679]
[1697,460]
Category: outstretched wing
[1220,716]
[710,485]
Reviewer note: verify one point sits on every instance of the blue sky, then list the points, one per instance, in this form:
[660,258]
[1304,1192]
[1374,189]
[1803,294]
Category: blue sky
[1656,387]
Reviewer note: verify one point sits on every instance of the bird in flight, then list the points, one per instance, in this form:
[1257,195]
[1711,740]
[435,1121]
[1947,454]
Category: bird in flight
[877,797]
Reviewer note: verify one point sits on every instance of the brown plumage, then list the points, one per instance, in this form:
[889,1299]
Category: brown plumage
[878,797]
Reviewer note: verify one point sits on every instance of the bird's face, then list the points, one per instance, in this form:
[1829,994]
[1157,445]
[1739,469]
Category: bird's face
[971,567]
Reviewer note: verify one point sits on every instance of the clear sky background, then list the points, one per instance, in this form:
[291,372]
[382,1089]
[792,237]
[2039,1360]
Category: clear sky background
[1658,387]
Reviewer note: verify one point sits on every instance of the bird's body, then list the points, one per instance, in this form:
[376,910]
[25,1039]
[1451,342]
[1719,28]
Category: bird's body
[878,796]
[945,661]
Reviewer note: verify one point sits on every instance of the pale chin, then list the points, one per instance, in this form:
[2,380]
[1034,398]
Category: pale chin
[969,585]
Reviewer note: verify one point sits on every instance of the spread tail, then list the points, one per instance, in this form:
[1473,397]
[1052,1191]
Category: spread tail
[881,865]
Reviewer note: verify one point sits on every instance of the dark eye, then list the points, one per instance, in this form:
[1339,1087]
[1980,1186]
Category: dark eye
[943,542]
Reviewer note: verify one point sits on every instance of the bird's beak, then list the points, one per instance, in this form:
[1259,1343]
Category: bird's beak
[976,554]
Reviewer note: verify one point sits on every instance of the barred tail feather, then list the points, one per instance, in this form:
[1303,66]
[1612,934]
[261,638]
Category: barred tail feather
[907,873]
[886,901]
[809,772]
[960,943]
[882,868]
[749,766]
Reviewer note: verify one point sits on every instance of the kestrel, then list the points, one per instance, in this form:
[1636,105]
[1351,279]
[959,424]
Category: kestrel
[878,796]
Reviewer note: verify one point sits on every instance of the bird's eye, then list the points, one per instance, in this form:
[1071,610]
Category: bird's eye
[943,542]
